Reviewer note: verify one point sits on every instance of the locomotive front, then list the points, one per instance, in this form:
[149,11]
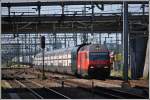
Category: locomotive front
[94,60]
[99,61]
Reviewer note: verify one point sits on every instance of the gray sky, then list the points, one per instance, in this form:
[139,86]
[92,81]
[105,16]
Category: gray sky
[57,9]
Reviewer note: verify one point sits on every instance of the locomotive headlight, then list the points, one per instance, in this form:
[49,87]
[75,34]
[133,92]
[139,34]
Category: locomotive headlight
[91,66]
[106,67]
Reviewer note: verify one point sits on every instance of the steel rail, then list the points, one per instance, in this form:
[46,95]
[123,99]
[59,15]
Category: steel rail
[120,93]
[111,93]
[49,89]
[36,94]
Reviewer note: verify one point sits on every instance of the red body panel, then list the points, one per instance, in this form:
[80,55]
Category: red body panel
[99,62]
[83,61]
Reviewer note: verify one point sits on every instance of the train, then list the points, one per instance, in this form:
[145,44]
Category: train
[92,60]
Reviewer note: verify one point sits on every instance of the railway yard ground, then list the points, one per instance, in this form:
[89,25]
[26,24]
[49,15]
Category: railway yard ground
[26,83]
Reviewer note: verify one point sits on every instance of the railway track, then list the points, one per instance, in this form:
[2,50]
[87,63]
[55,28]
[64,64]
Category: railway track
[106,92]
[102,91]
[98,90]
[39,91]
[18,90]
[116,94]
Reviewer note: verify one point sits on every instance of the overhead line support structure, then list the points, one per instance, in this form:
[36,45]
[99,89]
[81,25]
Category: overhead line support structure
[125,41]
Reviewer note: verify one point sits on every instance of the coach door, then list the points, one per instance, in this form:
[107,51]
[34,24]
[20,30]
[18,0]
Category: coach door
[84,61]
[79,62]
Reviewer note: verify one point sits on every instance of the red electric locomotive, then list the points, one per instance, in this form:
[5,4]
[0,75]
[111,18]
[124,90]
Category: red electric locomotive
[94,60]
[82,60]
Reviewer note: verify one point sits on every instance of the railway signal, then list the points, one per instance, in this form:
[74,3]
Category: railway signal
[43,42]
[43,47]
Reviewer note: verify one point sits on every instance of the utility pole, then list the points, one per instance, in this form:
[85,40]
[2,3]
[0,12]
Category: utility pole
[125,40]
[125,44]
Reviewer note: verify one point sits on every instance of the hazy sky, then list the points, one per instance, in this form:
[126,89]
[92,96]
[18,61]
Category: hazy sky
[57,9]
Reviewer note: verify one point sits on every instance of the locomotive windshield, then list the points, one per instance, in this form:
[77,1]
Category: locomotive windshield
[99,56]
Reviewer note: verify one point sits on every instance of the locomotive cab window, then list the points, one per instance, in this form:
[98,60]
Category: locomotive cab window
[99,56]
